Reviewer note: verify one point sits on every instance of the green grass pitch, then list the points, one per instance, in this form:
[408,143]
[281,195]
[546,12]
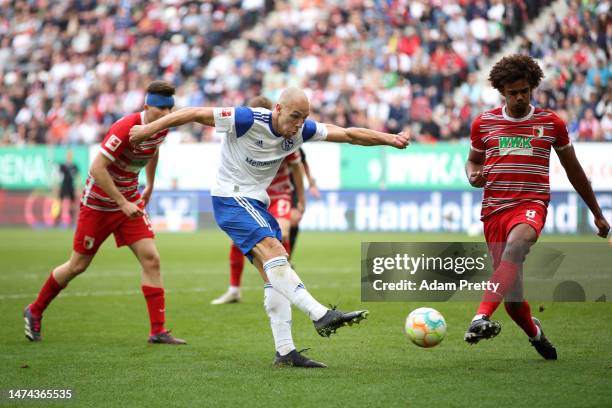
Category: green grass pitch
[94,336]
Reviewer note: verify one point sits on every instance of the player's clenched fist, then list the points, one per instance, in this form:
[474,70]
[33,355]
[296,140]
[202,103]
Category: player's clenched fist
[138,133]
[477,178]
[132,210]
[603,228]
[401,140]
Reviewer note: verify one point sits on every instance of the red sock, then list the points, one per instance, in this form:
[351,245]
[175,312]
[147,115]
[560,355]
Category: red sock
[287,246]
[156,306]
[47,293]
[520,312]
[504,275]
[236,266]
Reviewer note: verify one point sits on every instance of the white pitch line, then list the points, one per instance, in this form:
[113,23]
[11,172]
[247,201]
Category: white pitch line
[138,292]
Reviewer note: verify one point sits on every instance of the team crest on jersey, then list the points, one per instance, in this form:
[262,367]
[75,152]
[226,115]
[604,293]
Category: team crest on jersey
[88,242]
[538,131]
[225,112]
[518,145]
[113,143]
[287,144]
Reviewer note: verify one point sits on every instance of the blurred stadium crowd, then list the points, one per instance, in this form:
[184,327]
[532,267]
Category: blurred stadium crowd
[68,69]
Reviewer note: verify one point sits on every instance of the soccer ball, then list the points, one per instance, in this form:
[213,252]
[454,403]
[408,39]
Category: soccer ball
[425,327]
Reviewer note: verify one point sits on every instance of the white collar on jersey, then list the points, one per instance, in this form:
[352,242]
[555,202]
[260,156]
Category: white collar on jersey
[142,122]
[526,117]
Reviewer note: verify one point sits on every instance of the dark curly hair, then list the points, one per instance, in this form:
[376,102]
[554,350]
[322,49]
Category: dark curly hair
[513,68]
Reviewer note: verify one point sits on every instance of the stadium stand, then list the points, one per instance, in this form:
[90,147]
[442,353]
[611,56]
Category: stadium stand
[66,74]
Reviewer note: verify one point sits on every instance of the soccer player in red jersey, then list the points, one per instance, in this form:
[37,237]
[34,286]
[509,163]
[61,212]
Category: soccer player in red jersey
[279,191]
[111,203]
[509,157]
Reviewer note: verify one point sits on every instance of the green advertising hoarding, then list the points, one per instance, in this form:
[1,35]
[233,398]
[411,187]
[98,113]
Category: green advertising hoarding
[34,167]
[420,167]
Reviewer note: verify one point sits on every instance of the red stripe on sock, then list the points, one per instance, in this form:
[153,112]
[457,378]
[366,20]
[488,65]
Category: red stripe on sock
[236,265]
[505,275]
[156,305]
[287,246]
[47,293]
[520,312]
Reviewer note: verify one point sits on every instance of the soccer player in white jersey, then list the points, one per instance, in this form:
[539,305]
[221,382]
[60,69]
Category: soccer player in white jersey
[280,191]
[257,141]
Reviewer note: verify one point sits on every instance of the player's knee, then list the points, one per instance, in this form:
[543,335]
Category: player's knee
[273,248]
[78,267]
[517,250]
[151,263]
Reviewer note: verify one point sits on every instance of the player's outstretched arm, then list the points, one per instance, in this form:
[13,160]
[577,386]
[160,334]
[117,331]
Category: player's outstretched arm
[365,137]
[473,168]
[174,119]
[579,180]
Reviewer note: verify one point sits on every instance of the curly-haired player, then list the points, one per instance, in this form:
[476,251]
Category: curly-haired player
[509,157]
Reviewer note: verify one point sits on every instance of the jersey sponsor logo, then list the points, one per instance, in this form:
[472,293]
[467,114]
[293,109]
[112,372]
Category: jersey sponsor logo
[260,143]
[113,143]
[515,145]
[88,242]
[257,163]
[226,112]
[287,144]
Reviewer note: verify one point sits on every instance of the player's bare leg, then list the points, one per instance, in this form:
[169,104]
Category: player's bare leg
[153,290]
[69,270]
[56,282]
[272,256]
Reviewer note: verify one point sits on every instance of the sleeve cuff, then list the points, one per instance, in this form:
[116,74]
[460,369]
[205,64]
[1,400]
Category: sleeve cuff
[475,149]
[563,147]
[107,154]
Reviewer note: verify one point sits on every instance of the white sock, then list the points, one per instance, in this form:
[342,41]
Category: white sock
[278,309]
[234,290]
[478,317]
[537,336]
[284,279]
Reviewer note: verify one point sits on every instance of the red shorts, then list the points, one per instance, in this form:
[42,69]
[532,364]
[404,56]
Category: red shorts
[93,227]
[497,227]
[280,208]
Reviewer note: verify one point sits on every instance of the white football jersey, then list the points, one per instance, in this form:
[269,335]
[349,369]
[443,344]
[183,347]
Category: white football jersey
[252,152]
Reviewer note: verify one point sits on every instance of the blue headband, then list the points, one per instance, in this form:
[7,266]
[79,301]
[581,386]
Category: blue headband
[159,101]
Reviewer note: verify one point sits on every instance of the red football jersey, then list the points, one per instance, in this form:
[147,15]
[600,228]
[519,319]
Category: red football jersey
[280,186]
[517,156]
[127,161]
